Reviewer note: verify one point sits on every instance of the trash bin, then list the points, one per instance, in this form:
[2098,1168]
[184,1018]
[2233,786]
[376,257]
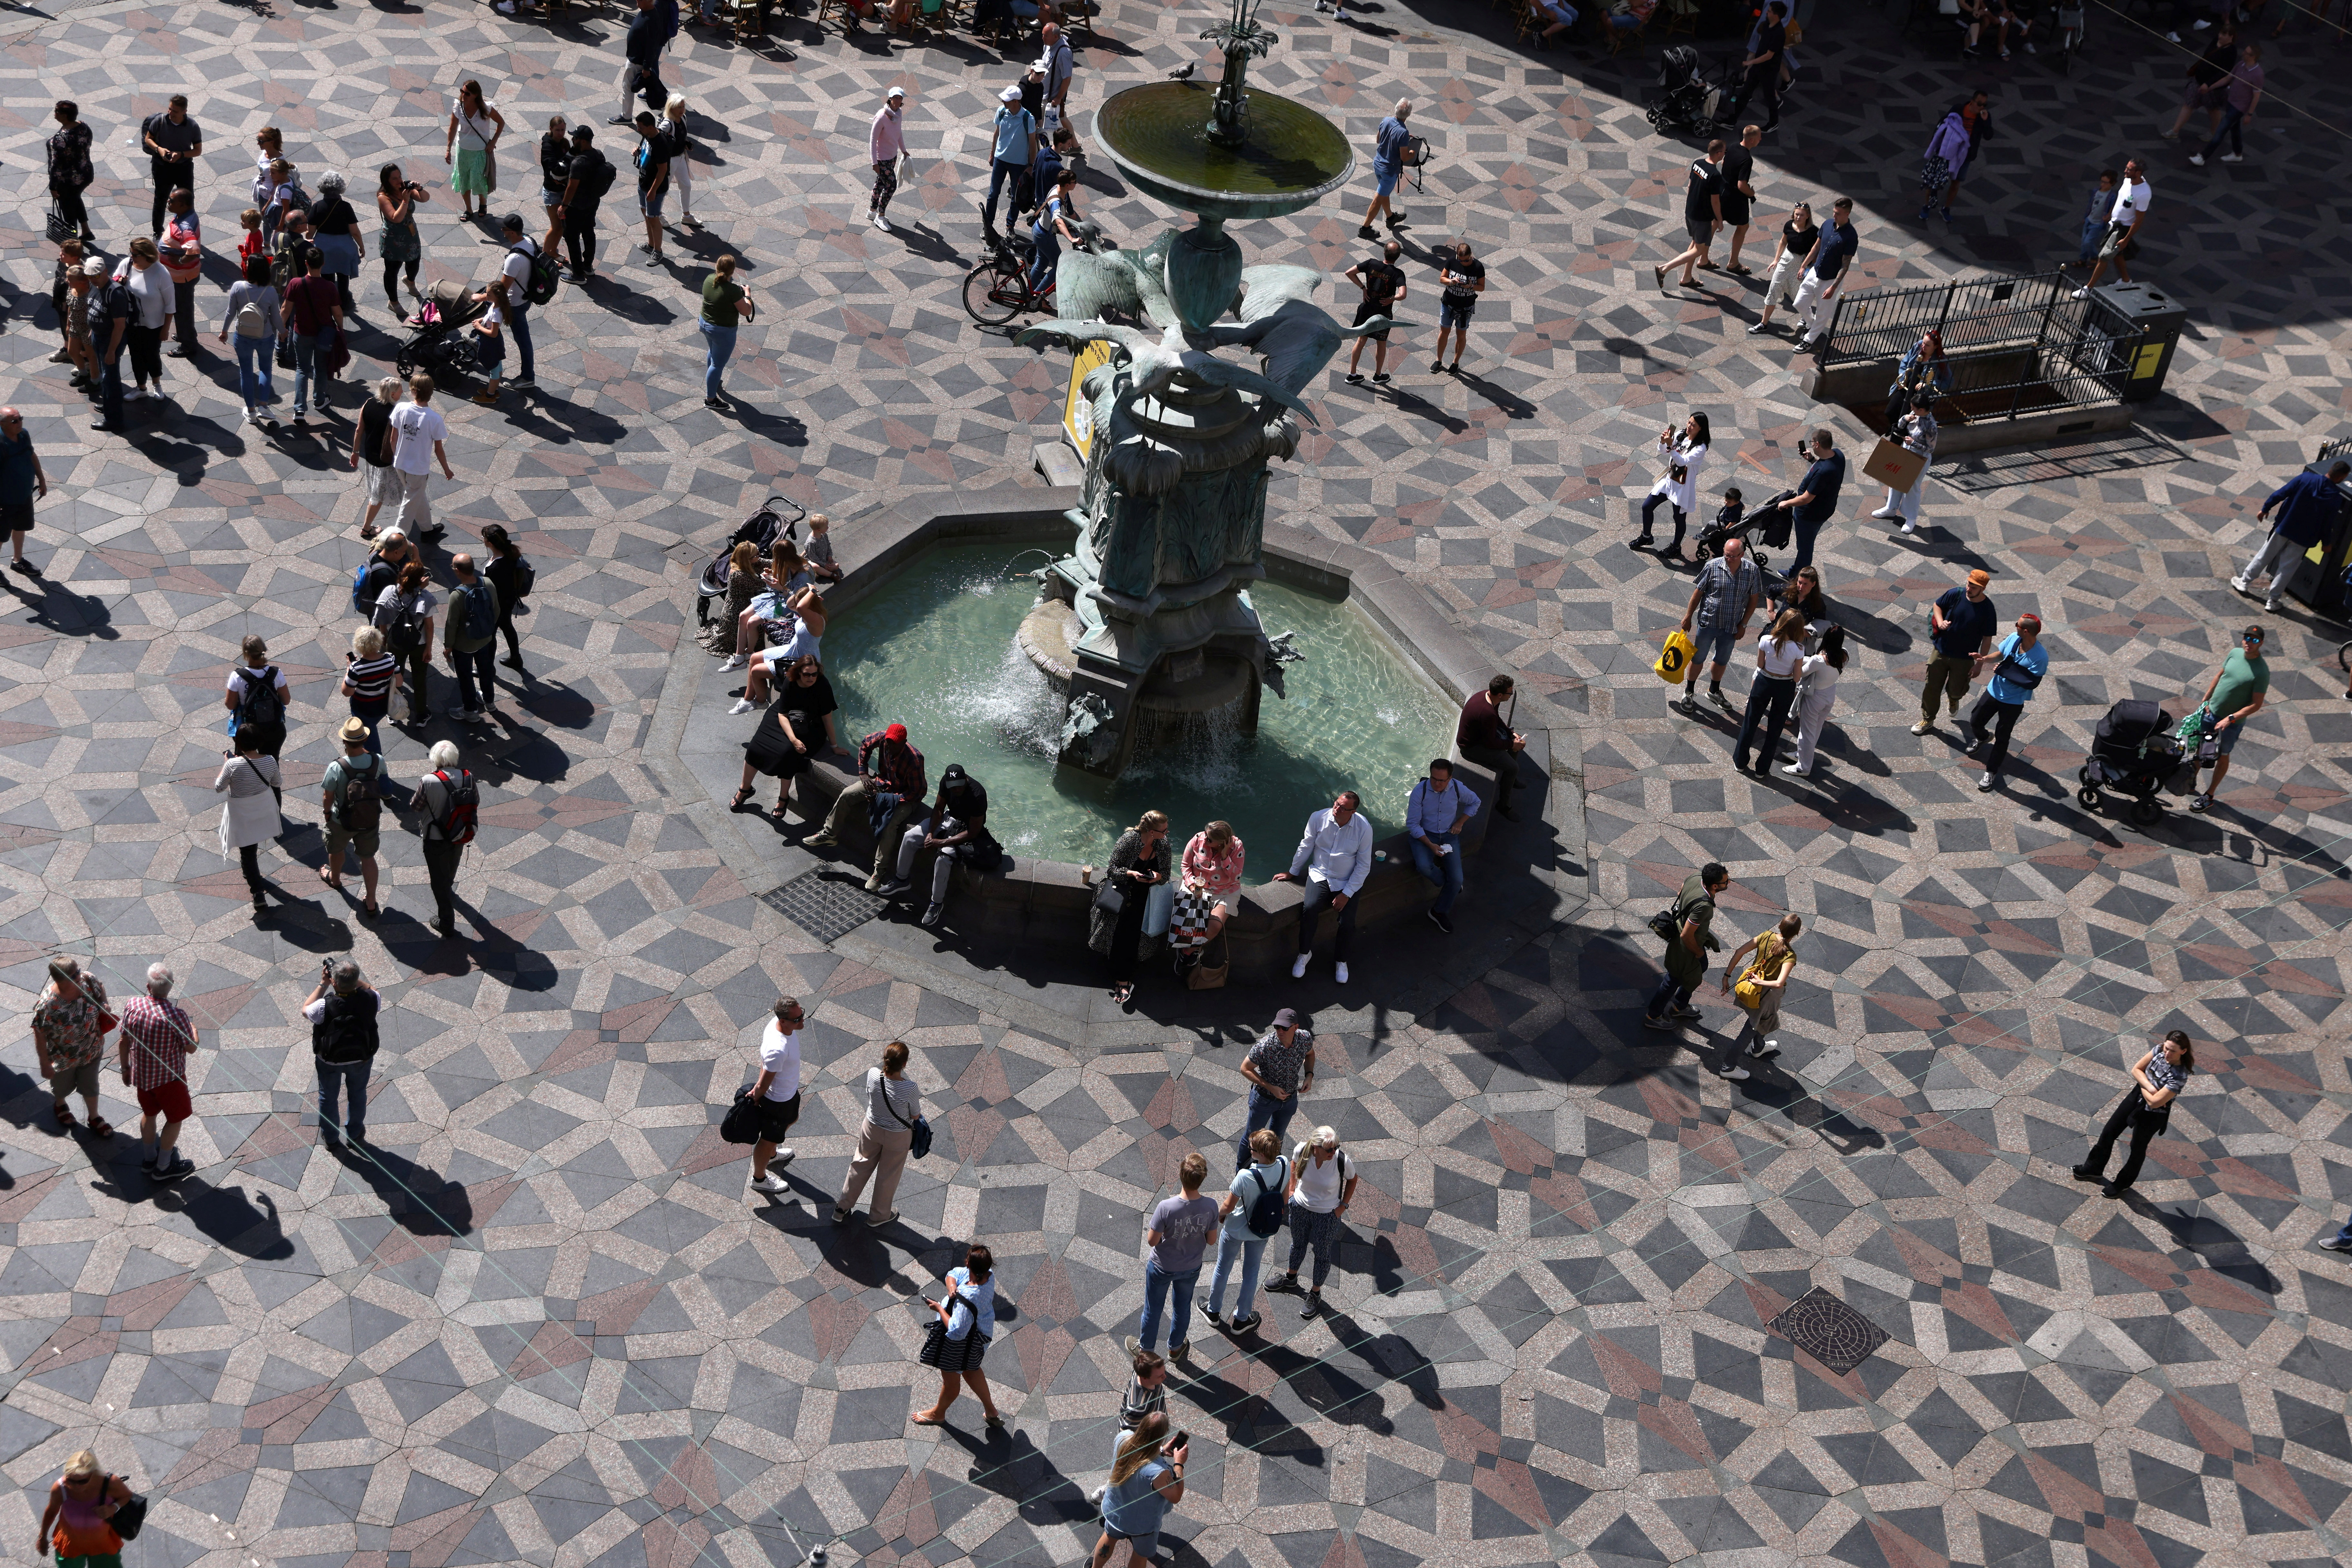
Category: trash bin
[2144,309]
[2315,575]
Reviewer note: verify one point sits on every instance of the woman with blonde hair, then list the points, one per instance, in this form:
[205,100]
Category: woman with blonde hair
[681,158]
[724,633]
[1138,862]
[371,680]
[1212,877]
[79,1521]
[475,127]
[807,611]
[1779,654]
[1146,1480]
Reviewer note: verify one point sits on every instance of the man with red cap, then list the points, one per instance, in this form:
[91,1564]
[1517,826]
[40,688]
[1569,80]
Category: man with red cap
[890,787]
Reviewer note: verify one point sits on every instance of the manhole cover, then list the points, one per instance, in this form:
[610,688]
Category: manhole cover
[1828,1331]
[827,907]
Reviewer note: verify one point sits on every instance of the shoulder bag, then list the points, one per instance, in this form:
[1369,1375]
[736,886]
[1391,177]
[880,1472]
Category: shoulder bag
[741,1122]
[919,1146]
[1108,897]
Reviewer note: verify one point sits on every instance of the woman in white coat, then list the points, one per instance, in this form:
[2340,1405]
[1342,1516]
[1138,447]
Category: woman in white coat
[1816,695]
[1917,431]
[1682,453]
[249,779]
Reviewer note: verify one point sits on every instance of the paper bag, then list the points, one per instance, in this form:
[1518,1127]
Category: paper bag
[1894,465]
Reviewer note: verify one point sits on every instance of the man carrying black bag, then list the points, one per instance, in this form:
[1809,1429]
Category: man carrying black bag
[641,72]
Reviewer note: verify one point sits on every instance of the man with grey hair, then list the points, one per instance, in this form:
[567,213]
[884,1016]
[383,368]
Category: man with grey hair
[1390,146]
[469,636]
[157,1036]
[341,1010]
[22,482]
[448,806]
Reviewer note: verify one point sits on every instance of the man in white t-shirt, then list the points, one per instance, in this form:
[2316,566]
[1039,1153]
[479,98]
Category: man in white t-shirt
[521,251]
[415,431]
[2130,211]
[777,1091]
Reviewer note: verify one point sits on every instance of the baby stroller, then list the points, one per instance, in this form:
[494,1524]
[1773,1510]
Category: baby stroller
[1766,528]
[1688,102]
[759,531]
[2133,752]
[440,341]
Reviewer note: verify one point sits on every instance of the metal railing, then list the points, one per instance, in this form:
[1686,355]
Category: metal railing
[2015,345]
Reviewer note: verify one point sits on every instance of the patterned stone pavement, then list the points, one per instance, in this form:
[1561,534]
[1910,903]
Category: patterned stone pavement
[539,1322]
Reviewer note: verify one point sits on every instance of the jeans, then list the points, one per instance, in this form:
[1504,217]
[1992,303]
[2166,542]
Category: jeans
[1445,871]
[1264,1110]
[1682,519]
[1670,994]
[1157,1284]
[999,172]
[911,845]
[2003,717]
[519,323]
[334,1077]
[1049,253]
[1249,1251]
[371,715]
[1316,893]
[477,689]
[308,353]
[1806,533]
[253,358]
[717,347]
[109,387]
[1767,709]
[2232,123]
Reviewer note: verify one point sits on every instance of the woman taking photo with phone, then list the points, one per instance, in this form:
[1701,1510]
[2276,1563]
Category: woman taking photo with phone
[1147,1479]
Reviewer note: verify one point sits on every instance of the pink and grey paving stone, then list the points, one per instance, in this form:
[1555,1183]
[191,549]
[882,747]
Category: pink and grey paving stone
[535,1319]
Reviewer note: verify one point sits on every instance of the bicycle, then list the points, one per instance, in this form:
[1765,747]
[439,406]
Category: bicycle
[998,289]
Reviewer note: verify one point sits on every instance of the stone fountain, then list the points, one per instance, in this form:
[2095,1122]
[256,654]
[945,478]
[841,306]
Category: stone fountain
[1149,617]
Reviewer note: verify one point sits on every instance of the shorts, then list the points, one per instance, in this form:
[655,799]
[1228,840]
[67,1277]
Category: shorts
[169,1102]
[489,352]
[92,1560]
[2226,741]
[382,482]
[1365,313]
[1736,214]
[1384,181]
[81,1078]
[1713,644]
[340,837]
[17,517]
[1700,229]
[550,196]
[650,202]
[776,1118]
[1452,312]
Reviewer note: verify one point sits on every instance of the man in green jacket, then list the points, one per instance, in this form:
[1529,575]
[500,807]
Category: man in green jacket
[469,634]
[1694,916]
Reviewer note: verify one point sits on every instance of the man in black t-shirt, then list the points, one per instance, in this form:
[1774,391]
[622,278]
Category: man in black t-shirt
[581,192]
[1463,280]
[173,143]
[1383,281]
[1740,193]
[1763,66]
[1703,207]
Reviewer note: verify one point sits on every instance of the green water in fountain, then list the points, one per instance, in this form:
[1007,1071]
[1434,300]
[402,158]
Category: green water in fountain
[934,650]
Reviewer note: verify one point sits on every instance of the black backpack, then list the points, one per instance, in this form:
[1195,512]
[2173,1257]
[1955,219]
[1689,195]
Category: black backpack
[360,806]
[598,181]
[521,578]
[346,1033]
[401,634]
[1265,1209]
[540,288]
[258,700]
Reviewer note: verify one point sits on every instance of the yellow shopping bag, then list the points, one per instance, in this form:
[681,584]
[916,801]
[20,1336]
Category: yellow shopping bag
[1675,662]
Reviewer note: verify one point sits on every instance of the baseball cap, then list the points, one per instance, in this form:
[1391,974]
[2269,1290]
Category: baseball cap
[1286,1019]
[895,732]
[1011,95]
[94,268]
[896,92]
[1980,578]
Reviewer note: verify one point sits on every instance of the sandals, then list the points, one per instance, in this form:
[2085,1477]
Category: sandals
[370,909]
[741,796]
[332,881]
[919,1421]
[1742,271]
[100,1127]
[64,1114]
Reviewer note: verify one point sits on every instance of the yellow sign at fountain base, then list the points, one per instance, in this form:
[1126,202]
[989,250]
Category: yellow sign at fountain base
[1077,409]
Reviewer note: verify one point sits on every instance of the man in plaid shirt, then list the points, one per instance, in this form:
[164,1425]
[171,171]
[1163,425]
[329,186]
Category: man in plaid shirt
[890,787]
[157,1037]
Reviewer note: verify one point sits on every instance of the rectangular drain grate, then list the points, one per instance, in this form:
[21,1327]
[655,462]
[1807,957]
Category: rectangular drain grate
[1828,1331]
[826,907]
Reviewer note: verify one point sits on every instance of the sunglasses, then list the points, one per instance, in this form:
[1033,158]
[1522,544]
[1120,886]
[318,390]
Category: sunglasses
[2243,637]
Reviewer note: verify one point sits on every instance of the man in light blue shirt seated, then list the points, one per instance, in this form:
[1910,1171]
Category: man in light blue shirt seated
[1335,856]
[2019,663]
[1434,814]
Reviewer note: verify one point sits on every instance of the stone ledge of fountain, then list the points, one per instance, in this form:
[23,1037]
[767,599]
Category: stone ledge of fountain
[1040,900]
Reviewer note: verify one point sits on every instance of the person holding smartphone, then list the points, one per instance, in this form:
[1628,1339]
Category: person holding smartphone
[1147,1479]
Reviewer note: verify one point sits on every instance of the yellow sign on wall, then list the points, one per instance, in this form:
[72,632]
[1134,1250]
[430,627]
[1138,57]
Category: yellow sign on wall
[1078,410]
[2149,359]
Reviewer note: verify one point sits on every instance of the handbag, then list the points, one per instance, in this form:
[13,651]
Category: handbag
[919,1146]
[131,1517]
[490,167]
[741,1122]
[60,229]
[1158,908]
[1666,925]
[1200,974]
[1108,897]
[1675,661]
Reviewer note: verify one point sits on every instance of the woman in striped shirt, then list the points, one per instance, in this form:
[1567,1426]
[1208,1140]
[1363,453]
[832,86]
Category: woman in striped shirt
[371,678]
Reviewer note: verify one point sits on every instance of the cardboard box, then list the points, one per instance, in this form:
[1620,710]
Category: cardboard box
[1894,465]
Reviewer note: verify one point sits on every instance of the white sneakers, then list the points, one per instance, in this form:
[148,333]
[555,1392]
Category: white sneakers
[2083,293]
[1299,967]
[737,662]
[1800,773]
[1342,975]
[770,1184]
[2196,160]
[1922,726]
[742,705]
[1910,527]
[1886,514]
[882,222]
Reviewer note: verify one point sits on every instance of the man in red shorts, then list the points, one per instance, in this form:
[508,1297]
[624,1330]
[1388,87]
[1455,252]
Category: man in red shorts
[157,1037]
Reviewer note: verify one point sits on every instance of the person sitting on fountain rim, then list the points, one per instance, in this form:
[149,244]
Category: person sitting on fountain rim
[957,829]
[1434,815]
[890,787]
[1335,856]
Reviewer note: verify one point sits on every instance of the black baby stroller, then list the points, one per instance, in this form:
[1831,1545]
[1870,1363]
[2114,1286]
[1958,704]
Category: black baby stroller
[1765,529]
[759,531]
[2132,753]
[440,341]
[1687,101]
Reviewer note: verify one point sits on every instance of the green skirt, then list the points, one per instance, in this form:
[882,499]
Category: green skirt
[471,179]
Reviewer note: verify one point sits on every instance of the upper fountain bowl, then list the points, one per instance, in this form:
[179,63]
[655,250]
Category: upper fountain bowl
[1158,135]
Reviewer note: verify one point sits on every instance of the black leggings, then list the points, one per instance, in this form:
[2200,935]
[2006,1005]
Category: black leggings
[249,860]
[2145,1125]
[391,280]
[514,647]
[1682,519]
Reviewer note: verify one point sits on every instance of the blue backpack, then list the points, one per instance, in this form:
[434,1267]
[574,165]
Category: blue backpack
[360,601]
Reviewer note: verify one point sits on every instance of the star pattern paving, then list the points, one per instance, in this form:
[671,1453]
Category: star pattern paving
[538,1321]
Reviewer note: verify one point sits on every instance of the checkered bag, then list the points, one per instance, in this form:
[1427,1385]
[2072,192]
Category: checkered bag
[1935,173]
[1188,926]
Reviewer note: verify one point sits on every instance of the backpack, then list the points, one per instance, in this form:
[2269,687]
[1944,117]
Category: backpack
[1265,1209]
[360,804]
[402,635]
[257,701]
[459,818]
[481,620]
[362,600]
[1667,924]
[252,322]
[598,181]
[540,286]
[120,299]
[346,1035]
[521,579]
